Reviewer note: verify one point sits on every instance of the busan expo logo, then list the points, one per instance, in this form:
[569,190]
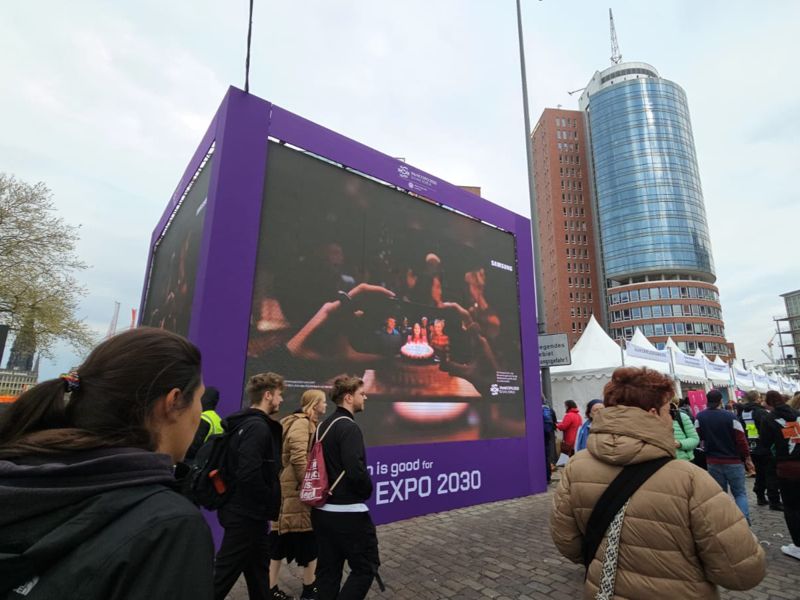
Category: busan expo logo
[402,170]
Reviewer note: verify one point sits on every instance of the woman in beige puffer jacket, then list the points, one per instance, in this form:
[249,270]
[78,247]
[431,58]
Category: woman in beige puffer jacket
[681,535]
[292,537]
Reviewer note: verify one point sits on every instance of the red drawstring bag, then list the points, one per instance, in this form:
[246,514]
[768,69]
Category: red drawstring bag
[314,490]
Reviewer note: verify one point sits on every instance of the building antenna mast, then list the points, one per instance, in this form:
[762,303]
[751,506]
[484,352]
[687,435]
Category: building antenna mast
[616,57]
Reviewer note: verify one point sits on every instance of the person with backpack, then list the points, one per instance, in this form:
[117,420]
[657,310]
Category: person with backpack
[343,526]
[642,523]
[292,537]
[780,434]
[253,465]
[686,436]
[90,505]
[210,422]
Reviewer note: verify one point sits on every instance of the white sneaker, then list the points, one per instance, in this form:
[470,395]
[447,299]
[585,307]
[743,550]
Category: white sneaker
[791,550]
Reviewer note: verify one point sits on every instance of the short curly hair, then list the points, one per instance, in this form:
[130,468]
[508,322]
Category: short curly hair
[643,388]
[263,382]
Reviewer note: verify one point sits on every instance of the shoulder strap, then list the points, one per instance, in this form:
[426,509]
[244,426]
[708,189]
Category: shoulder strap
[616,495]
[320,438]
[680,416]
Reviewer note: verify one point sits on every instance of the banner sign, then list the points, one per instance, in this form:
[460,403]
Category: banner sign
[742,377]
[637,351]
[713,368]
[688,361]
[697,400]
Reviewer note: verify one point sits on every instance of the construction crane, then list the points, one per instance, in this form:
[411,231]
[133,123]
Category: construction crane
[616,56]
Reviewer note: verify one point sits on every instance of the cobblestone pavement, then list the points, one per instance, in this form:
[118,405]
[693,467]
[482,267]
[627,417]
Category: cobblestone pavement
[503,551]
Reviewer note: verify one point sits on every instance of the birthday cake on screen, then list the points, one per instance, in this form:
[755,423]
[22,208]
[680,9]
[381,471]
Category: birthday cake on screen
[417,346]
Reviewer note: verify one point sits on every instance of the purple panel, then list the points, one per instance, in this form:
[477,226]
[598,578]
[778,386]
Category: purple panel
[426,478]
[221,309]
[530,356]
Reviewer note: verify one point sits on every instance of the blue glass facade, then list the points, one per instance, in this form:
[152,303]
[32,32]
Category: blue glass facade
[647,186]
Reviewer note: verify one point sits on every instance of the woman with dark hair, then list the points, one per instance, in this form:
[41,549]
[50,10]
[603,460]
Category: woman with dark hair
[583,433]
[570,425]
[87,478]
[674,532]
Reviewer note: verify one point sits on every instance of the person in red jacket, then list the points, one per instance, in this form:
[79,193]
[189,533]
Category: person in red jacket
[569,425]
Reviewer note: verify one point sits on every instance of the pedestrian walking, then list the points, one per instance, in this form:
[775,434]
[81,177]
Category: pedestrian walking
[583,433]
[570,425]
[686,436]
[781,435]
[87,486]
[765,486]
[669,530]
[343,526]
[726,448]
[254,460]
[292,538]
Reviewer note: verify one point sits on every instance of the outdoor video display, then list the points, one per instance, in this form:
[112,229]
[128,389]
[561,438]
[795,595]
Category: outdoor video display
[168,304]
[354,276]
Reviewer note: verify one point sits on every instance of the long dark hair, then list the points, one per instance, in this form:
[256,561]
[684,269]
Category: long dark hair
[119,383]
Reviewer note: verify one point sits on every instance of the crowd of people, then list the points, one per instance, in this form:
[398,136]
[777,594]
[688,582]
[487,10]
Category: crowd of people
[94,505]
[681,534]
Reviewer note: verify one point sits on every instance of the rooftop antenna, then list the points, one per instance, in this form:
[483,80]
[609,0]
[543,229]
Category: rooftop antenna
[616,57]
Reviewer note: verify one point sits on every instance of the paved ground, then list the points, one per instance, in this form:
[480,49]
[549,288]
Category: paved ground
[503,551]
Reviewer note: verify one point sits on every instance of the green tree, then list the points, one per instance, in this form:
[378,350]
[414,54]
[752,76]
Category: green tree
[38,262]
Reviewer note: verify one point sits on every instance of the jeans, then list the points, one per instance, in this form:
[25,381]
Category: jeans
[733,476]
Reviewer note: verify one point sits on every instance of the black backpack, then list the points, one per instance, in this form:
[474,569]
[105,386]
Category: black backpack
[211,481]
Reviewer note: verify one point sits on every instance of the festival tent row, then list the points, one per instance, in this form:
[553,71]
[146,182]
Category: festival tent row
[595,356]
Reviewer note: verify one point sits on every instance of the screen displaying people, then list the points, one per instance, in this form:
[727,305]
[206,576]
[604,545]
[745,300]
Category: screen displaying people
[168,303]
[421,302]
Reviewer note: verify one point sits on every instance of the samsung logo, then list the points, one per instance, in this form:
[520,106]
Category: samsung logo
[504,266]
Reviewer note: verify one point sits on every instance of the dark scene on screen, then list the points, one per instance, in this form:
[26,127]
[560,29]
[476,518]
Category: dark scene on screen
[354,276]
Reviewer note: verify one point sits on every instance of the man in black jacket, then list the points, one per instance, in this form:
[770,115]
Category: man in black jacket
[343,525]
[780,433]
[255,498]
[751,412]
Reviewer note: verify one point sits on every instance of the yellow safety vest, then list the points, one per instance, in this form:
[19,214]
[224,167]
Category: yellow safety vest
[214,423]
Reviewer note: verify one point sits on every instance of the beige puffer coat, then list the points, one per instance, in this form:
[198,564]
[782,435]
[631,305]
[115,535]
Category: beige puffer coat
[682,535]
[298,436]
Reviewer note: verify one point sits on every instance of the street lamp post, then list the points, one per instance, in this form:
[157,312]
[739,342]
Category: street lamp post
[537,262]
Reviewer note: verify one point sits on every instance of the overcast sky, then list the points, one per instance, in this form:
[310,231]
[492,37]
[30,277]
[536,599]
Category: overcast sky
[105,103]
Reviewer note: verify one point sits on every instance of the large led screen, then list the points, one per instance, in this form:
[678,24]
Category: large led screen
[168,303]
[354,276]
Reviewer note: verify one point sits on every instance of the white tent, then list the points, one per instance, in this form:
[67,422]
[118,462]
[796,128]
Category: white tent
[688,369]
[595,356]
[774,382]
[639,352]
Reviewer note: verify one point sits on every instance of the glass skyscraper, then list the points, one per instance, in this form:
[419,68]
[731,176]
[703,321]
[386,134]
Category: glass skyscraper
[653,245]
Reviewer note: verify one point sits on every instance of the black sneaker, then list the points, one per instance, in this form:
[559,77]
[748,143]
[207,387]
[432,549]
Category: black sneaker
[279,594]
[778,507]
[761,501]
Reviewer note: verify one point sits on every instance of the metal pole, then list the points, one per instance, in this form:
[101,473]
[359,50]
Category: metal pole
[537,262]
